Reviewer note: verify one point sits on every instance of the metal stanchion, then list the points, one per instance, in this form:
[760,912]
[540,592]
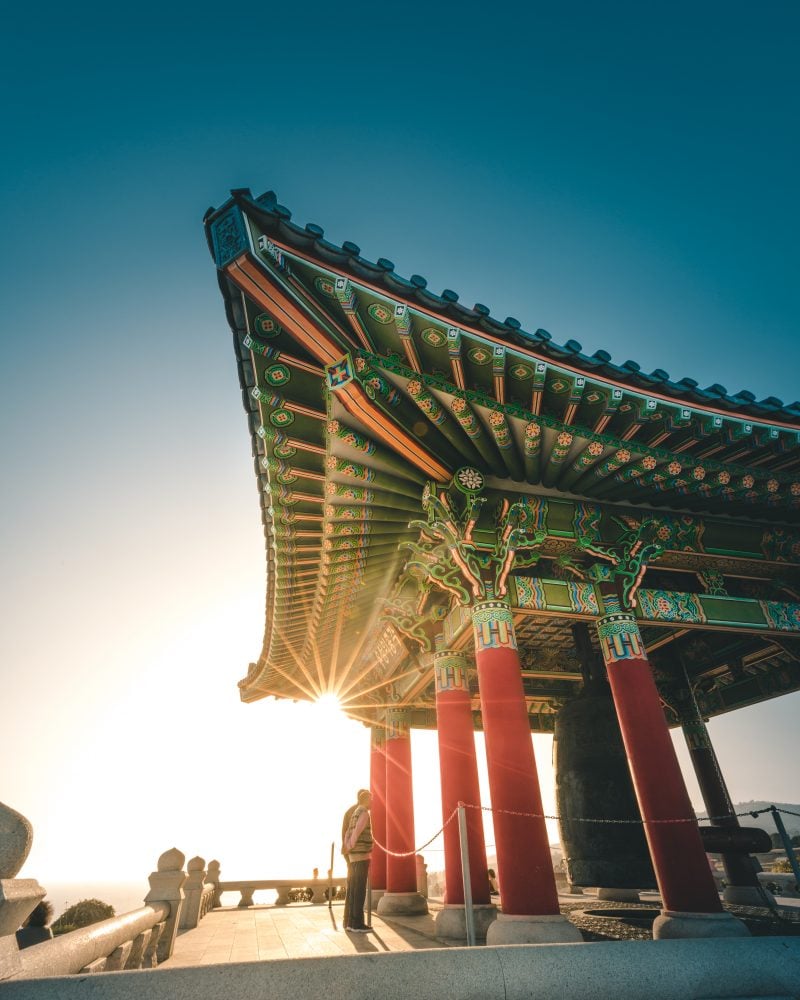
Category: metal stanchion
[330,878]
[469,916]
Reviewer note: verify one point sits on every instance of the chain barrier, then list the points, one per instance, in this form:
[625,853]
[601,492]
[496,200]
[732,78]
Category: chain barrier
[639,822]
[408,854]
[573,819]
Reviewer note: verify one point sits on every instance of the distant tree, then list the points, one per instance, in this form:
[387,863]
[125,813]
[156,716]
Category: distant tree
[35,930]
[82,914]
[796,840]
[41,915]
[776,840]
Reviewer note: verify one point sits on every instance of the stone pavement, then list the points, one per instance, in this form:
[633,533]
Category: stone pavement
[304,930]
[262,933]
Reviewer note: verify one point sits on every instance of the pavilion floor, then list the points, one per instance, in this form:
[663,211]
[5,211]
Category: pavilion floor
[265,933]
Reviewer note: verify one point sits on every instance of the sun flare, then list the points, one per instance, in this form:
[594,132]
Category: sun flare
[329,705]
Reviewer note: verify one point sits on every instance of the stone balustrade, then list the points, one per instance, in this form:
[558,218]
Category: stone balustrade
[141,939]
[129,941]
[283,887]
[200,894]
[287,890]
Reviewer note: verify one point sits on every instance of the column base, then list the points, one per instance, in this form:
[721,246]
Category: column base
[401,904]
[450,923]
[574,890]
[377,895]
[532,929]
[748,895]
[674,924]
[619,895]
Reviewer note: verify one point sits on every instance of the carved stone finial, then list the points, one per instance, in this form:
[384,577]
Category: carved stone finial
[171,860]
[16,838]
[197,864]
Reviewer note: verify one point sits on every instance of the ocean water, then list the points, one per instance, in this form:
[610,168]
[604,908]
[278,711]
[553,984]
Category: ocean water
[123,896]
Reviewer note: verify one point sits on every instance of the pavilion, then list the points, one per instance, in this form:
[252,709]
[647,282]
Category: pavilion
[470,526]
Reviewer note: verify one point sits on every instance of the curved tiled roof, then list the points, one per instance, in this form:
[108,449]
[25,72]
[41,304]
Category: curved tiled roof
[361,386]
[347,257]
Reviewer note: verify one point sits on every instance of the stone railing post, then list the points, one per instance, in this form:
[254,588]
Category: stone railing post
[166,886]
[18,896]
[212,877]
[422,876]
[18,899]
[193,893]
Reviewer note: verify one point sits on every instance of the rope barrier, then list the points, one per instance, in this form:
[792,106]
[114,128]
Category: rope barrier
[572,819]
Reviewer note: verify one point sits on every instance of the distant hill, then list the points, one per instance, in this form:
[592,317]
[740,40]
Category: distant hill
[765,820]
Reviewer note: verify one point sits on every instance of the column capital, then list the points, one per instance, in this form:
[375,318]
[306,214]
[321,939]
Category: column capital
[495,605]
[453,653]
[619,636]
[695,733]
[493,623]
[396,724]
[450,671]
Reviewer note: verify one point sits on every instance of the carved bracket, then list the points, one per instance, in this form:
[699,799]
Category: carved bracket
[638,544]
[447,555]
[409,620]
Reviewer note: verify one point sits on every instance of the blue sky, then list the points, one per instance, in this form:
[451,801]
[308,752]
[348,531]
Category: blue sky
[620,174]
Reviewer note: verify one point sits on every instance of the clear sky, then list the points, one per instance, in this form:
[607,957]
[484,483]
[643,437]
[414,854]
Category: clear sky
[622,174]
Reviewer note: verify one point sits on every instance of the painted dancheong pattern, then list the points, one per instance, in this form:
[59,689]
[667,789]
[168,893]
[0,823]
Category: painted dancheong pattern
[619,637]
[450,669]
[671,606]
[494,626]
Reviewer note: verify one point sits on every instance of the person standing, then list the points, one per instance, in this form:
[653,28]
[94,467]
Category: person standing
[357,848]
[345,827]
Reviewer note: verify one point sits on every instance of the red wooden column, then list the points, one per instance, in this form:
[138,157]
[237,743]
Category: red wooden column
[458,767]
[525,871]
[401,894]
[681,867]
[377,783]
